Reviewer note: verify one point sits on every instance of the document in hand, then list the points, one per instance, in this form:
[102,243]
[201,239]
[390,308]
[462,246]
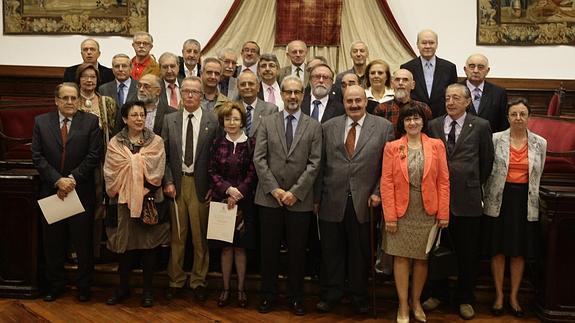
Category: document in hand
[222,222]
[55,209]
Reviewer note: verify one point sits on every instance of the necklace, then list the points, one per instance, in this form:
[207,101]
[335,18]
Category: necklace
[88,100]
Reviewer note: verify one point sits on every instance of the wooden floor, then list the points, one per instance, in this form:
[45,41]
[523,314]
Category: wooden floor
[185,309]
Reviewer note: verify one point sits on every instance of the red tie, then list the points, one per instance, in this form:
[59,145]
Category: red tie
[64,134]
[173,96]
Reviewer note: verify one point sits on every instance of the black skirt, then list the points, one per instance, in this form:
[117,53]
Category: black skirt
[510,233]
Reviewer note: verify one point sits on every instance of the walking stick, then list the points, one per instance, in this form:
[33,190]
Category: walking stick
[372,257]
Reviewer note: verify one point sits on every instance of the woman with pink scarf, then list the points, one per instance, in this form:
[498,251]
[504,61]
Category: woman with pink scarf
[133,171]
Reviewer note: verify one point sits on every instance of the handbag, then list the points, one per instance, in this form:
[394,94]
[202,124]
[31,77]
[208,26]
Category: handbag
[442,260]
[149,214]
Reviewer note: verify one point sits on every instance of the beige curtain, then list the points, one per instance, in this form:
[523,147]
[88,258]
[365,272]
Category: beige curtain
[361,20]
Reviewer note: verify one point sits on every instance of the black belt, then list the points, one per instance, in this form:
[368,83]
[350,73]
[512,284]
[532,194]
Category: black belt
[191,174]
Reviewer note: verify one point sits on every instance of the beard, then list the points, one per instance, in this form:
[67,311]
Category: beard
[147,99]
[292,106]
[401,95]
[320,91]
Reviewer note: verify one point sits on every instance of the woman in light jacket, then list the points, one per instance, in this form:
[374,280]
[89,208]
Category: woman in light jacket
[415,195]
[512,202]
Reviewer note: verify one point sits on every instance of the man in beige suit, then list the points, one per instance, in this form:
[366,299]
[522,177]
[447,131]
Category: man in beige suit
[286,157]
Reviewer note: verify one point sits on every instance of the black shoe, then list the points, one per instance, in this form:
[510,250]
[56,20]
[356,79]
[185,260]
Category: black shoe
[224,299]
[266,306]
[324,306]
[119,296]
[53,294]
[519,313]
[172,292]
[200,293]
[147,299]
[83,295]
[497,311]
[297,308]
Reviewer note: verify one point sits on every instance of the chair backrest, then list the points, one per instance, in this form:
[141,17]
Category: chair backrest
[560,135]
[16,126]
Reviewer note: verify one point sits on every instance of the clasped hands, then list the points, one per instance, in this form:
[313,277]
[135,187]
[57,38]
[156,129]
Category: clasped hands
[65,185]
[284,197]
[391,227]
[234,195]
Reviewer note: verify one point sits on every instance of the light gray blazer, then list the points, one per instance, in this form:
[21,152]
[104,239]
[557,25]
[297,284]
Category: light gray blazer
[358,175]
[294,170]
[261,110]
[536,150]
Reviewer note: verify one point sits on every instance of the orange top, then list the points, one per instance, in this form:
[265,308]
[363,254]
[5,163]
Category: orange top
[518,165]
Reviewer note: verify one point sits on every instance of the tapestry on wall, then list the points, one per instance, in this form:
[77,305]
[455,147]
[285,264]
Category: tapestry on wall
[90,17]
[526,22]
[317,23]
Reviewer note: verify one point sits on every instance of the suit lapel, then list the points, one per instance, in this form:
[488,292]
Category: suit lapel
[420,79]
[438,126]
[55,127]
[205,126]
[485,101]
[280,130]
[75,125]
[366,132]
[339,135]
[465,131]
[178,133]
[299,130]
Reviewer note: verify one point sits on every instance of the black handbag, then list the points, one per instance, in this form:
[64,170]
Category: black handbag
[442,260]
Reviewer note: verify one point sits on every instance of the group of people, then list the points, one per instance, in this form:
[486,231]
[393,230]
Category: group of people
[296,150]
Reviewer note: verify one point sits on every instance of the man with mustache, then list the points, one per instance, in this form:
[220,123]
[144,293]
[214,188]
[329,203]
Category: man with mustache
[319,104]
[250,57]
[190,59]
[228,83]
[149,89]
[402,84]
[169,67]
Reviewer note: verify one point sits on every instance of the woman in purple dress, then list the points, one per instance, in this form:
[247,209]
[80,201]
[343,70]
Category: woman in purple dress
[234,180]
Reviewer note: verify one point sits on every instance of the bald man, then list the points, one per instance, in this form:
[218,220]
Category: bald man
[90,51]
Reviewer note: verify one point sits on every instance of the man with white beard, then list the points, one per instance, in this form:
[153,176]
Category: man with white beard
[149,89]
[402,84]
[319,104]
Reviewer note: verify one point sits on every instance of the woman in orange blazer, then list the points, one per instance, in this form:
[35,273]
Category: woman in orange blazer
[415,195]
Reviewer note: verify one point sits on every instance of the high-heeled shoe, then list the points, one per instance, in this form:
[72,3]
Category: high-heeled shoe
[224,298]
[242,299]
[400,319]
[519,313]
[419,316]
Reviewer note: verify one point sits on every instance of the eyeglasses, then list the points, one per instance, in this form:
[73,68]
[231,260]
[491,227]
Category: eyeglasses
[318,77]
[146,87]
[190,92]
[141,43]
[136,115]
[414,119]
[230,62]
[68,98]
[292,92]
[118,66]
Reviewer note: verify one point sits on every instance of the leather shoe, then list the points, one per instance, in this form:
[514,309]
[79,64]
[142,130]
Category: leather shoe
[431,303]
[297,308]
[83,295]
[147,299]
[118,297]
[466,311]
[266,306]
[172,292]
[53,294]
[200,293]
[324,306]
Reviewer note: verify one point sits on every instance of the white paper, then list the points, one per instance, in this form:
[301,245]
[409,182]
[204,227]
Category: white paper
[431,238]
[55,209]
[222,222]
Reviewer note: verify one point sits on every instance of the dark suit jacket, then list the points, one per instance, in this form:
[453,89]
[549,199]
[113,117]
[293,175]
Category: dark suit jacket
[359,175]
[182,72]
[492,107]
[161,111]
[110,89]
[333,108]
[106,74]
[293,170]
[444,75]
[163,97]
[83,153]
[172,135]
[469,164]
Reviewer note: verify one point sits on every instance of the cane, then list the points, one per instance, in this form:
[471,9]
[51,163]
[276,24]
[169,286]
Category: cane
[372,257]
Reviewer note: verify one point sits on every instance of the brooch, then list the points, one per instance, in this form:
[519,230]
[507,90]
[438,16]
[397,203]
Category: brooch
[402,152]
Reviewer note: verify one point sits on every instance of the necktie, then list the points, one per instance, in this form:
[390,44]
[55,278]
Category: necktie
[249,109]
[189,153]
[350,140]
[289,131]
[64,135]
[271,95]
[451,138]
[224,87]
[315,112]
[476,98]
[121,94]
[297,70]
[428,77]
[173,95]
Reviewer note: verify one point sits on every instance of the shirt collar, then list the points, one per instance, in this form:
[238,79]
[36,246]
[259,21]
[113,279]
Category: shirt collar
[472,87]
[296,114]
[127,82]
[459,120]
[253,104]
[242,138]
[349,121]
[322,100]
[61,117]
[432,61]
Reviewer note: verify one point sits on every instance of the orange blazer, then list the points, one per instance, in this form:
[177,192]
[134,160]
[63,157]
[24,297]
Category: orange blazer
[394,184]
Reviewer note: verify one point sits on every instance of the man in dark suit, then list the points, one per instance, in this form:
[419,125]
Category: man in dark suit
[351,155]
[286,157]
[489,101]
[319,104]
[430,73]
[90,51]
[169,67]
[66,148]
[256,109]
[186,180]
[190,60]
[123,88]
[149,89]
[296,51]
[470,159]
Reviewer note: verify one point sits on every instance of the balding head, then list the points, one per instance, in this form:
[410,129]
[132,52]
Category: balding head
[476,68]
[427,43]
[355,102]
[402,84]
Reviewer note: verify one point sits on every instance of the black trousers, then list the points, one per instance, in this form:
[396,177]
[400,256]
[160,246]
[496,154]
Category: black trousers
[465,234]
[345,249]
[126,263]
[78,228]
[272,223]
